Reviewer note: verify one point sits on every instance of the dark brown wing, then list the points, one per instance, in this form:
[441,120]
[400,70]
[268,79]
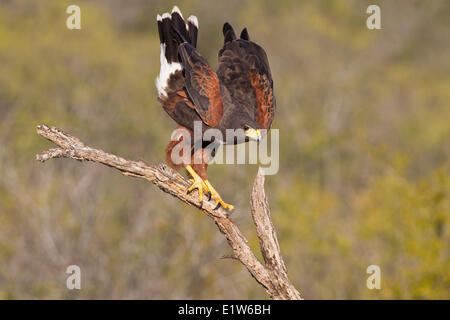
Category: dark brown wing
[265,100]
[244,70]
[202,84]
[177,103]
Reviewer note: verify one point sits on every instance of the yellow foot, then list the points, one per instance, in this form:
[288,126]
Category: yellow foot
[216,197]
[204,187]
[197,183]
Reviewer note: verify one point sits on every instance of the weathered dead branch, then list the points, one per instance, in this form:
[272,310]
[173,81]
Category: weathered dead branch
[272,275]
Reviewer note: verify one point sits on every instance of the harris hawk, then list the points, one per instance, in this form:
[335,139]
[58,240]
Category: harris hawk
[238,96]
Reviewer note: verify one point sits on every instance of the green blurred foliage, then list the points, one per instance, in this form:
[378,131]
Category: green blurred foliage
[364,156]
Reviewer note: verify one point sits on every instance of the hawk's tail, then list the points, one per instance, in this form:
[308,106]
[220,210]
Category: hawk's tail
[173,31]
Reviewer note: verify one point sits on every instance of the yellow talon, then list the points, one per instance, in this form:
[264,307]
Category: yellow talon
[197,183]
[205,187]
[215,195]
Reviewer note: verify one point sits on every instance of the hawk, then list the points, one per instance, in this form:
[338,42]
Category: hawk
[238,96]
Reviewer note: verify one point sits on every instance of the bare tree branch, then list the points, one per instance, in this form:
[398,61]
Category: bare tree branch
[268,241]
[272,276]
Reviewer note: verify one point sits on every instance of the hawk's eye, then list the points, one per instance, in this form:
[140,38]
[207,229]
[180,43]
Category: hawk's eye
[245,127]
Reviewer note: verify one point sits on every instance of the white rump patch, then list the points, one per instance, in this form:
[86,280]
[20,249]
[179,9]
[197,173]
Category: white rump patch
[167,69]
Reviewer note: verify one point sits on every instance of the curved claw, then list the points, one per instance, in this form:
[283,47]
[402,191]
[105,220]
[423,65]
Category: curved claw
[221,203]
[206,190]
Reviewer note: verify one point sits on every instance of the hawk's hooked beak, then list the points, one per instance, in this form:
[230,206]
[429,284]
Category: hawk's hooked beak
[253,134]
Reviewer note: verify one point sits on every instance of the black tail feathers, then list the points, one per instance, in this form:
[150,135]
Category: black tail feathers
[193,30]
[173,31]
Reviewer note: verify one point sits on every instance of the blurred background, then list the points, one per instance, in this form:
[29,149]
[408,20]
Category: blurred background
[364,119]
